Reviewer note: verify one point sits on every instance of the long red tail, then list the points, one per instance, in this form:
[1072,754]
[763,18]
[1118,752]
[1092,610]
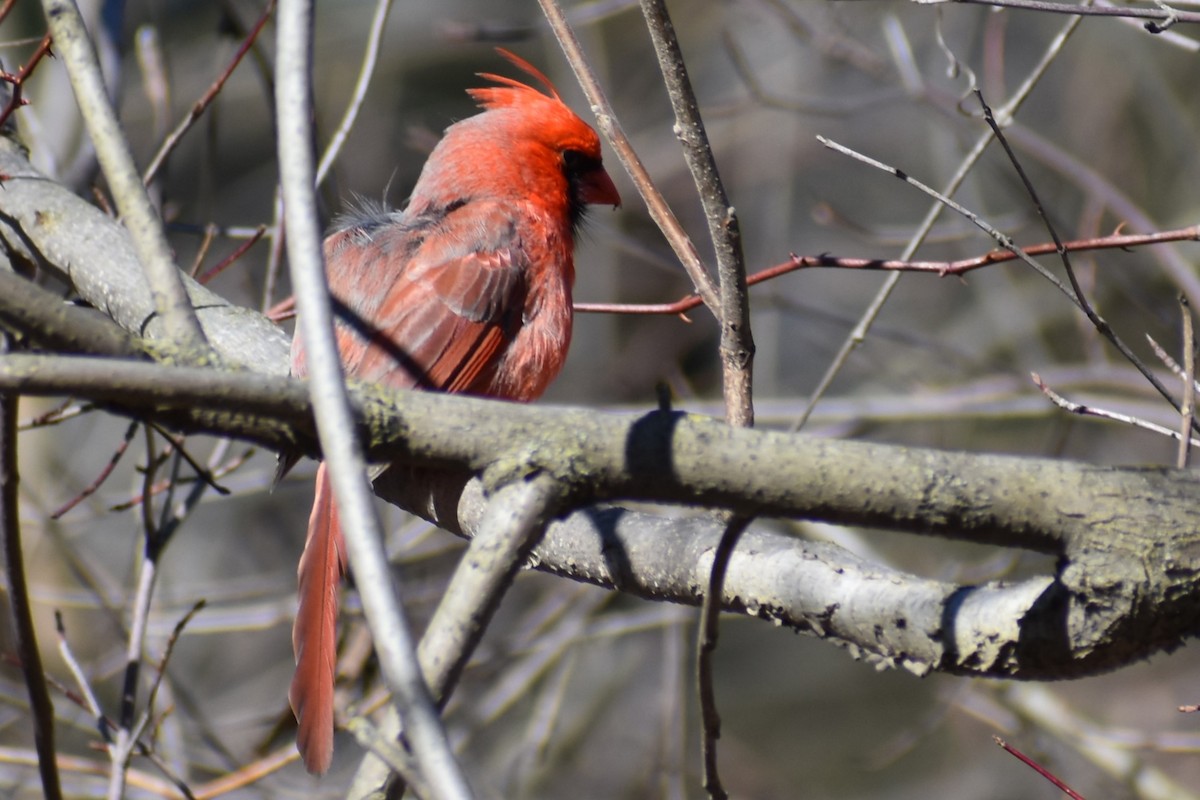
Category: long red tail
[314,636]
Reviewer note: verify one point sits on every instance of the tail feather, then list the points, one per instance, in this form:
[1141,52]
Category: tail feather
[314,635]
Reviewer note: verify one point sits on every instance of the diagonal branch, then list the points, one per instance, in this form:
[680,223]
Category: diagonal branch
[340,445]
[606,121]
[171,300]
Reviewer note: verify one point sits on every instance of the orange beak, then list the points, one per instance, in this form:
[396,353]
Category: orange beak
[596,188]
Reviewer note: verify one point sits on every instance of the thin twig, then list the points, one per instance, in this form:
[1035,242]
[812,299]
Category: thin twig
[1038,768]
[336,425]
[1165,357]
[85,688]
[606,121]
[200,106]
[706,645]
[232,258]
[14,566]
[171,300]
[124,742]
[1166,16]
[1187,413]
[940,268]
[512,525]
[16,98]
[737,342]
[858,335]
[1077,294]
[1073,293]
[1100,413]
[359,93]
[98,481]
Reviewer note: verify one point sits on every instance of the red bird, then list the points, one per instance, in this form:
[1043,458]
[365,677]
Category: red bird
[466,290]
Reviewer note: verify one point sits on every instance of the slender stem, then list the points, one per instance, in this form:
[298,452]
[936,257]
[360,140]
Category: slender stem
[1076,294]
[31,660]
[513,523]
[1166,16]
[1187,413]
[198,108]
[171,300]
[859,334]
[737,342]
[706,646]
[335,421]
[606,121]
[365,73]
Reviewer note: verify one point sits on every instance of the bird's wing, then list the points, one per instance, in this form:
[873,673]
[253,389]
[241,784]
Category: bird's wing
[441,301]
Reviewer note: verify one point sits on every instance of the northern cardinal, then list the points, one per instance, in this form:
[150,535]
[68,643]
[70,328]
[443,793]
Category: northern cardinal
[468,289]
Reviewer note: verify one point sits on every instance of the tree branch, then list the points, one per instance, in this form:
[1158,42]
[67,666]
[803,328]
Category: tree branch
[361,529]
[1127,585]
[171,300]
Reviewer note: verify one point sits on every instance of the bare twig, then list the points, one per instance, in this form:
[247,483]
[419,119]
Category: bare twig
[606,121]
[96,483]
[200,106]
[232,258]
[85,688]
[1165,357]
[112,148]
[14,567]
[1162,15]
[1187,413]
[1038,768]
[16,99]
[359,93]
[706,646]
[335,421]
[1050,714]
[737,342]
[516,518]
[125,741]
[1080,299]
[1100,413]
[939,268]
[1073,293]
[859,333]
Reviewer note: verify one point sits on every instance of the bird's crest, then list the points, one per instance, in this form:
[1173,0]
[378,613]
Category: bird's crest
[511,91]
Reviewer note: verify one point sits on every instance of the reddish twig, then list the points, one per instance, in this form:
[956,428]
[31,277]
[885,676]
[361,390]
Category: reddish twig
[206,99]
[95,485]
[68,409]
[229,260]
[206,240]
[285,309]
[18,80]
[1038,768]
[6,8]
[939,268]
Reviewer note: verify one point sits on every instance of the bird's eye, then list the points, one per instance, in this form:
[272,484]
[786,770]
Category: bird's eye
[573,160]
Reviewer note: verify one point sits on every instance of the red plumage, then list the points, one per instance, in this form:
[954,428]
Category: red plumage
[466,290]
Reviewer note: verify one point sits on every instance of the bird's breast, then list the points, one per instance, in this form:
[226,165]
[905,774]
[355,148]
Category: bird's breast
[539,348]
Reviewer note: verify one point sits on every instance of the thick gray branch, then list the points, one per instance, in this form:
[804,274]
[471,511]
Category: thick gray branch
[1128,541]
[45,225]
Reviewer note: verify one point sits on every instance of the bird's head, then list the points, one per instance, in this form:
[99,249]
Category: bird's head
[526,143]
